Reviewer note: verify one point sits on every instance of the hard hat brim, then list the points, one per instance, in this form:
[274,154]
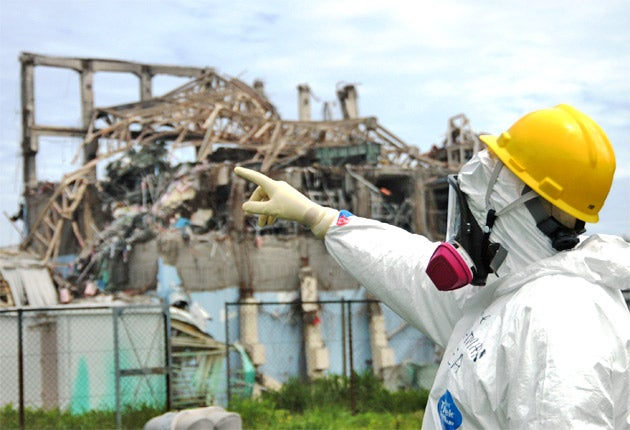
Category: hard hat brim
[489,139]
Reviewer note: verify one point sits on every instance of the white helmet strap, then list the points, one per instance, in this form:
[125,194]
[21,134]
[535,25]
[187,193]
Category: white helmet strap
[493,179]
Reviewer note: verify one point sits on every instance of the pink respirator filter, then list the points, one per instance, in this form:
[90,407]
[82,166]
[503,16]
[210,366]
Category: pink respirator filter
[448,269]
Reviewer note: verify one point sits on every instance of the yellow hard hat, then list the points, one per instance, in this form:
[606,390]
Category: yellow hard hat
[563,155]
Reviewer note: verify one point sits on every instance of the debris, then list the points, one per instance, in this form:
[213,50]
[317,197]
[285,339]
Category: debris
[25,280]
[157,226]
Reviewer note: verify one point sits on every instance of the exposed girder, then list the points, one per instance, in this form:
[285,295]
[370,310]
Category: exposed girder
[206,112]
[212,110]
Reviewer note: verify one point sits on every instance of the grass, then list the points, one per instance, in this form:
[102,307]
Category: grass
[326,404]
[56,419]
[321,404]
[260,415]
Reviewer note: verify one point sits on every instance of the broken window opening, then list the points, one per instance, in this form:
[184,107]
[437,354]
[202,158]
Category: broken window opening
[55,155]
[57,97]
[324,187]
[115,88]
[392,205]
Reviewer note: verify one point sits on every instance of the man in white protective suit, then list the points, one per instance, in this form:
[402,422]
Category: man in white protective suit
[530,313]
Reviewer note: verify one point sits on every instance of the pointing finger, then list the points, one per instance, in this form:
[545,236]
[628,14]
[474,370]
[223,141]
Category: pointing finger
[254,176]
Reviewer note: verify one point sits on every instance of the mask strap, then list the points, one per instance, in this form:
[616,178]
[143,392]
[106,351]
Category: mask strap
[495,254]
[530,195]
[492,181]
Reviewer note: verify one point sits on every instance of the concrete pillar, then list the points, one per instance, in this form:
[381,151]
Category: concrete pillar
[304,102]
[349,102]
[49,356]
[146,83]
[249,332]
[87,93]
[259,87]
[382,354]
[29,141]
[317,355]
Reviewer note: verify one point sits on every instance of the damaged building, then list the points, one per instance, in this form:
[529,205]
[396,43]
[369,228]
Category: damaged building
[176,229]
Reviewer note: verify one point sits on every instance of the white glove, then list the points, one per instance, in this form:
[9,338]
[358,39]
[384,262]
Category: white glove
[277,199]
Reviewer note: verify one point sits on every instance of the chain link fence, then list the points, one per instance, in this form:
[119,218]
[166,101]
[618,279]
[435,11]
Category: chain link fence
[121,358]
[272,342]
[79,359]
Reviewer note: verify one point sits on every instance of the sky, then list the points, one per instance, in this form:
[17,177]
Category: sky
[415,64]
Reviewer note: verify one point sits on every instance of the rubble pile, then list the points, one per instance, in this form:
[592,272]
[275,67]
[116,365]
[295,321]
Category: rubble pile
[354,163]
[160,226]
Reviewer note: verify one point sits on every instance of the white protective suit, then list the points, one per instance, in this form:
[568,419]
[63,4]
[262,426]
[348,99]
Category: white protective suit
[545,345]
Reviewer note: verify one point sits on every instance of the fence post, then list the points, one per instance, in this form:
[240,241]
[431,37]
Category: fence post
[116,314]
[169,354]
[21,366]
[353,400]
[343,337]
[227,351]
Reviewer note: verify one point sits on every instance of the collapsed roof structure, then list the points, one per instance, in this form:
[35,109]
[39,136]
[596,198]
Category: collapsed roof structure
[149,213]
[227,122]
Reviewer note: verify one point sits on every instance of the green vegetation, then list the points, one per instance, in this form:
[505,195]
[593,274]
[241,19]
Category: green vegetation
[322,404]
[55,419]
[326,404]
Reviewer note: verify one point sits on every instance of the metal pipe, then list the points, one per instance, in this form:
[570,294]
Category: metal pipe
[343,338]
[117,374]
[21,366]
[353,400]
[227,351]
[169,355]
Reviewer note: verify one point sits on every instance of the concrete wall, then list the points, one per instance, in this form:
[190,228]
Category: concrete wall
[270,264]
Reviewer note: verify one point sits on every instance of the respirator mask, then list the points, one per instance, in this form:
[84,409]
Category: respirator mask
[468,255]
[562,237]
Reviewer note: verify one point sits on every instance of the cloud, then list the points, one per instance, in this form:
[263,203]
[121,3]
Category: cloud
[415,63]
